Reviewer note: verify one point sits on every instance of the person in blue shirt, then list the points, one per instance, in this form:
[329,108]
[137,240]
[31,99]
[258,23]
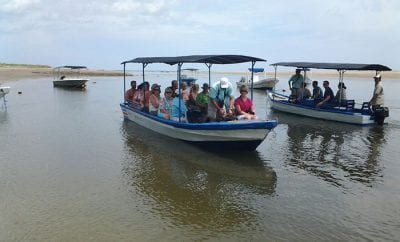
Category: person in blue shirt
[317,91]
[328,95]
[175,109]
[221,99]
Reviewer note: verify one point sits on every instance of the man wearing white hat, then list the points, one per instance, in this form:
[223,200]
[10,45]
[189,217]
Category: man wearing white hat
[377,99]
[221,99]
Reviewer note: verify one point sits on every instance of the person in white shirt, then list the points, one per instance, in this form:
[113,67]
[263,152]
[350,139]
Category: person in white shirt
[377,99]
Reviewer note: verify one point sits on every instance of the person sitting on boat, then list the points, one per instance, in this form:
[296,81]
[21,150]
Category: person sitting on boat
[165,107]
[174,87]
[191,98]
[145,96]
[202,99]
[184,91]
[317,93]
[137,96]
[154,99]
[328,96]
[341,93]
[377,99]
[244,106]
[295,82]
[130,93]
[178,109]
[303,93]
[220,100]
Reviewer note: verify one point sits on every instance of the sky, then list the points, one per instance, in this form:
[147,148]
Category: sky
[101,34]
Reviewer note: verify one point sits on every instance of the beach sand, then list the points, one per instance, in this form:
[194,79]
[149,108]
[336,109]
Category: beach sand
[8,74]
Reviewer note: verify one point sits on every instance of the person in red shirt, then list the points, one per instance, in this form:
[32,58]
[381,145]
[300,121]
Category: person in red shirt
[244,106]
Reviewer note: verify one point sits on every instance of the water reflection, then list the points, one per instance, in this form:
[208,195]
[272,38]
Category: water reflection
[335,152]
[192,186]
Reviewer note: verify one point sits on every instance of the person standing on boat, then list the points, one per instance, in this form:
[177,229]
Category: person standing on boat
[220,99]
[317,91]
[130,93]
[377,99]
[295,82]
[328,95]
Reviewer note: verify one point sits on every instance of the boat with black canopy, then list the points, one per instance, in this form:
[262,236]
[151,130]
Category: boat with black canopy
[69,77]
[343,110]
[224,135]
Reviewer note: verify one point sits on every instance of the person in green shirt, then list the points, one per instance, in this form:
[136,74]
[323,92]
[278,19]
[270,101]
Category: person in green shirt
[202,99]
[295,83]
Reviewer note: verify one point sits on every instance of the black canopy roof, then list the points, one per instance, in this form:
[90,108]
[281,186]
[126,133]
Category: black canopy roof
[335,66]
[209,59]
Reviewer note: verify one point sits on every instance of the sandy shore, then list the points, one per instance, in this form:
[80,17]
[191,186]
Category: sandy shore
[16,73]
[20,73]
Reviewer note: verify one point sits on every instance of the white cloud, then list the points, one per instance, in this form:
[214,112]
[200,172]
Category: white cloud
[278,29]
[17,6]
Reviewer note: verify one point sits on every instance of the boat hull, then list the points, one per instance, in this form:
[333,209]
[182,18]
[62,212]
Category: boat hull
[72,83]
[280,103]
[4,90]
[245,135]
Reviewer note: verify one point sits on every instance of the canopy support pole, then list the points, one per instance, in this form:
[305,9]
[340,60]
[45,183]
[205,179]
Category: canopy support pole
[124,80]
[209,73]
[144,91]
[252,76]
[179,88]
[275,67]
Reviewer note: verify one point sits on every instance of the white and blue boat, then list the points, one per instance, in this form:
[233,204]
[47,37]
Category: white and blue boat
[259,82]
[225,135]
[346,112]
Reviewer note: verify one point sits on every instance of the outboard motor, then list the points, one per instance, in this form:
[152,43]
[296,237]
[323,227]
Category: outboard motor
[380,114]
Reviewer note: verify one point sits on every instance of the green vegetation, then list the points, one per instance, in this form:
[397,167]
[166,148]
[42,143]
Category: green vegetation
[23,65]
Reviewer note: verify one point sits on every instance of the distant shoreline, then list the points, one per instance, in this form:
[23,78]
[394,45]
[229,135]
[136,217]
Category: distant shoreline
[9,74]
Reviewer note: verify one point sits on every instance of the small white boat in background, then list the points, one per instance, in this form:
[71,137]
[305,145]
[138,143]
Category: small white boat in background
[258,83]
[76,81]
[4,90]
[189,78]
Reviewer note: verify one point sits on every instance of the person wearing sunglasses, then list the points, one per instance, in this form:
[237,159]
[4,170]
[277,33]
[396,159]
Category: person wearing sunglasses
[166,104]
[155,99]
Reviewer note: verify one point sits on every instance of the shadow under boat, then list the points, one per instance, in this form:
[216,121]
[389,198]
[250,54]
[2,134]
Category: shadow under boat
[336,153]
[191,185]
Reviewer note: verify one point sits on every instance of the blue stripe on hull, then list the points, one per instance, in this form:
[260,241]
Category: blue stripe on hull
[270,124]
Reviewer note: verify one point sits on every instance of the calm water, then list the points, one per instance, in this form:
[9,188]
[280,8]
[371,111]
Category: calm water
[71,169]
